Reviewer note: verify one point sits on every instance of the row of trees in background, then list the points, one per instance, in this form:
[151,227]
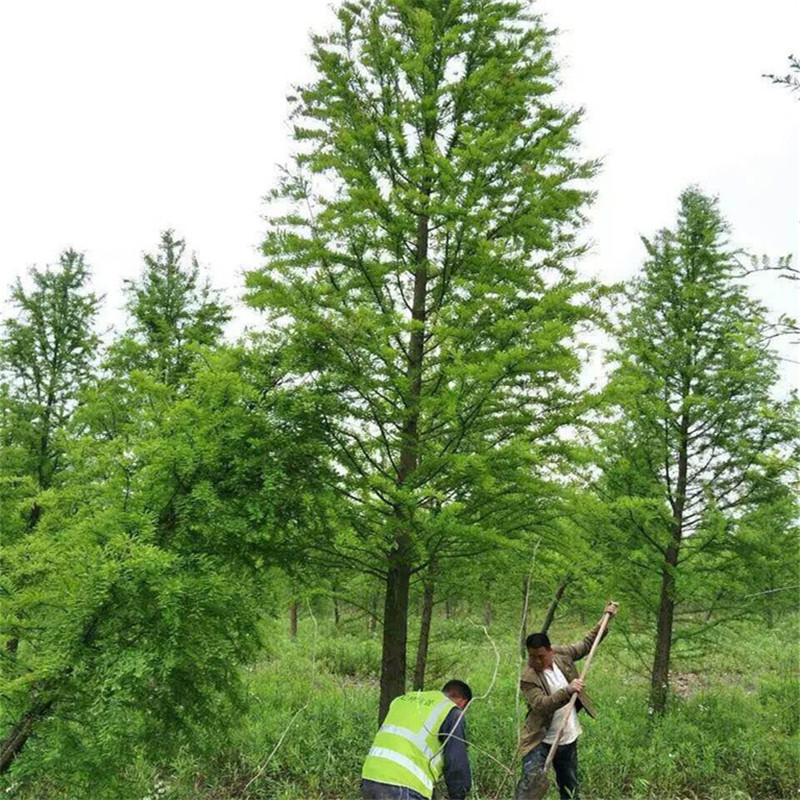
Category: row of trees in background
[411,419]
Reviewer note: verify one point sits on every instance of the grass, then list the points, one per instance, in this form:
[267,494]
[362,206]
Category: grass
[732,733]
[732,736]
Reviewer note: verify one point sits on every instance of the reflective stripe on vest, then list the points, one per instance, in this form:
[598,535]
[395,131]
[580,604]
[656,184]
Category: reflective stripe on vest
[405,763]
[407,751]
[417,738]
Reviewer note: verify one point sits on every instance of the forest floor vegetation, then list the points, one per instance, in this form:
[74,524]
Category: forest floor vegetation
[730,733]
[310,712]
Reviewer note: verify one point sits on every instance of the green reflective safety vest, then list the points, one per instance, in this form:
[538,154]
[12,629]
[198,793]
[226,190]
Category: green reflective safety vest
[406,750]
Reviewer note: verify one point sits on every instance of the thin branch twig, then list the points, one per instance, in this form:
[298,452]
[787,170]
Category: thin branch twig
[299,711]
[275,749]
[450,735]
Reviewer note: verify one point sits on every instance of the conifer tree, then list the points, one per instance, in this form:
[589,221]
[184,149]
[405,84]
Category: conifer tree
[46,355]
[418,266]
[700,441]
[172,311]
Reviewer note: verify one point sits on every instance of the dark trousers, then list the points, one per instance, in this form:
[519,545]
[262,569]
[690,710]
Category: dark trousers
[372,790]
[565,763]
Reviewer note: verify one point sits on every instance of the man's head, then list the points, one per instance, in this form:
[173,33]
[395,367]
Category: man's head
[540,652]
[459,692]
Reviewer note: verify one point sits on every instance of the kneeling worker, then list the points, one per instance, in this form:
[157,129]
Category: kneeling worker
[422,736]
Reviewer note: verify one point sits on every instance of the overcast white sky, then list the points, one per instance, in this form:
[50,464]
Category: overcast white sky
[120,119]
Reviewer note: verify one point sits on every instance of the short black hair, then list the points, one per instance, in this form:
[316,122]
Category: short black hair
[458,688]
[538,640]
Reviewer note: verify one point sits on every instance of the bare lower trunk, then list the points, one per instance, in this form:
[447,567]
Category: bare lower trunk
[395,634]
[659,678]
[372,620]
[769,615]
[424,630]
[293,612]
[768,602]
[526,600]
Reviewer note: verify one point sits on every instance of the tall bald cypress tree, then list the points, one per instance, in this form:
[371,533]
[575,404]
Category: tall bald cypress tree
[417,265]
[701,442]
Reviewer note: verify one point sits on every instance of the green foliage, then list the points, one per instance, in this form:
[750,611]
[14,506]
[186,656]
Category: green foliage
[173,314]
[418,267]
[411,421]
[137,596]
[307,730]
[348,656]
[46,354]
[766,577]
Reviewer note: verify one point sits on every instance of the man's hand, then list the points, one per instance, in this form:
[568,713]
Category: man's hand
[612,608]
[576,686]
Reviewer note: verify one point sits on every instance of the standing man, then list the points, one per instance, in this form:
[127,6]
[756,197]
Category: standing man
[422,736]
[547,682]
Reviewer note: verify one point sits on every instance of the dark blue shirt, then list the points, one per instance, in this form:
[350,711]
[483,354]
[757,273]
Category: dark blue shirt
[457,774]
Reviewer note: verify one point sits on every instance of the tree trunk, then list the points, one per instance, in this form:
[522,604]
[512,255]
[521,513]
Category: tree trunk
[372,621]
[551,611]
[395,633]
[425,629]
[487,604]
[523,626]
[395,619]
[769,616]
[20,733]
[293,612]
[768,601]
[659,678]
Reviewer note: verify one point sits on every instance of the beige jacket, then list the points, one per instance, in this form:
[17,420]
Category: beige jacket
[541,704]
